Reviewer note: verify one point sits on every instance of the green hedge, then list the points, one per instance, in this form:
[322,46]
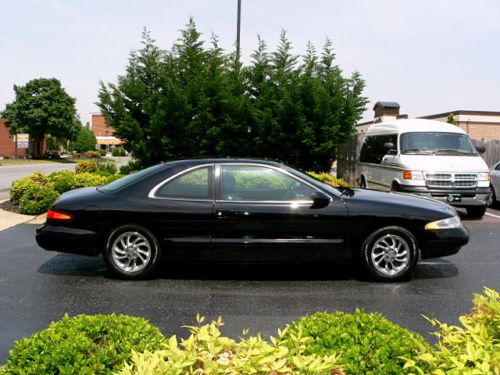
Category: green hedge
[368,343]
[37,199]
[84,344]
[323,343]
[36,193]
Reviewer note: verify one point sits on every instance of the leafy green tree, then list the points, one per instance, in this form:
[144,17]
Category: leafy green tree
[86,140]
[195,100]
[42,107]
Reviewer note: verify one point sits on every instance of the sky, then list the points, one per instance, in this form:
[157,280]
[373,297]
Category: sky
[431,56]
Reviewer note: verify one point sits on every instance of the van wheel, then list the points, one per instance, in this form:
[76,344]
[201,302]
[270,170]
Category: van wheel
[362,183]
[390,253]
[476,212]
[132,252]
[395,187]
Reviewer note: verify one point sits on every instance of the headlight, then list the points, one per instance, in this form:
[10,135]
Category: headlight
[485,176]
[449,223]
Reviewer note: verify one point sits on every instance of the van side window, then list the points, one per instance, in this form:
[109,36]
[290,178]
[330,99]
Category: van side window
[373,148]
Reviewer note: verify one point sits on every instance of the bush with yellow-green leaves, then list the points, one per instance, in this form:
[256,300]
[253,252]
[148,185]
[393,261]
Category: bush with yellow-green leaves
[206,351]
[323,343]
[470,349]
[329,179]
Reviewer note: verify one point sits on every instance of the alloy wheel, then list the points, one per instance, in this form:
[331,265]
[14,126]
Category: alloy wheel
[131,251]
[390,254]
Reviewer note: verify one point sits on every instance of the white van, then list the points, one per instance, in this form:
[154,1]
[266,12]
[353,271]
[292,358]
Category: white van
[428,158]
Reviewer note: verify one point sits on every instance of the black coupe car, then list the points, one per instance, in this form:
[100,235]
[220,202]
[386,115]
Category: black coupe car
[247,210]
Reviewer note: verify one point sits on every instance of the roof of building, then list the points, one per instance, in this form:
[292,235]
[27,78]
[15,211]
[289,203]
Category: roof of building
[463,112]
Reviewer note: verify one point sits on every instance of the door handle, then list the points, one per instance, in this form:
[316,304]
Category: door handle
[224,213]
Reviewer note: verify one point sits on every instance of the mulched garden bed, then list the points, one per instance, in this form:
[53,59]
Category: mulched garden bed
[9,206]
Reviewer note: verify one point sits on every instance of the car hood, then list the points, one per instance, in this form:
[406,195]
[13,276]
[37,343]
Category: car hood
[444,163]
[396,204]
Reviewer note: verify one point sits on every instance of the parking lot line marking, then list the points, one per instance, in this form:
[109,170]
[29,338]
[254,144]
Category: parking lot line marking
[493,215]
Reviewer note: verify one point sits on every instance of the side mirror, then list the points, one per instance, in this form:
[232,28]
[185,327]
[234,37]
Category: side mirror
[320,200]
[480,148]
[389,147]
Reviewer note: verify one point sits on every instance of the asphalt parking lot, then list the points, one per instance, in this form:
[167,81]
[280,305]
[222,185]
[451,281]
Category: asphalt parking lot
[37,287]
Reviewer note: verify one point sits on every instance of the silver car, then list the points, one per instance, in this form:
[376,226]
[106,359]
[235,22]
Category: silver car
[495,185]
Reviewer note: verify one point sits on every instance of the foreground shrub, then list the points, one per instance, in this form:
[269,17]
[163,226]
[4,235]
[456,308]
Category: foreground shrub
[19,187]
[367,343]
[37,199]
[473,348]
[334,181]
[88,166]
[84,344]
[206,351]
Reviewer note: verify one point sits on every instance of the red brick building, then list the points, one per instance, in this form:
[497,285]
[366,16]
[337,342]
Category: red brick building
[103,132]
[7,143]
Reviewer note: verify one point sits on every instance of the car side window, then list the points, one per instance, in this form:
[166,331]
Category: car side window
[373,148]
[196,184]
[258,183]
[498,167]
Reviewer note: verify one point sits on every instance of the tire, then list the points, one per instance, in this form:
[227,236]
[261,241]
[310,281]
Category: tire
[132,252]
[379,254]
[362,183]
[476,212]
[395,187]
[492,201]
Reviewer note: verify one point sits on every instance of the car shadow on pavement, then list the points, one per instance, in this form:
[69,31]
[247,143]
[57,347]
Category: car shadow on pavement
[82,266]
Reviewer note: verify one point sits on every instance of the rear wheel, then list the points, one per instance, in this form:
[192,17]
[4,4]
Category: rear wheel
[390,253]
[476,212]
[132,252]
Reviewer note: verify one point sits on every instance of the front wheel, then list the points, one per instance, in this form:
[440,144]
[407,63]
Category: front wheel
[476,212]
[390,253]
[132,252]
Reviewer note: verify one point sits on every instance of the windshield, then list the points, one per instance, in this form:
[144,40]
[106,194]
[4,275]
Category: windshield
[436,143]
[130,179]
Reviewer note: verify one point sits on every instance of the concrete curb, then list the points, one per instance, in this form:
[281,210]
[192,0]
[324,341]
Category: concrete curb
[10,219]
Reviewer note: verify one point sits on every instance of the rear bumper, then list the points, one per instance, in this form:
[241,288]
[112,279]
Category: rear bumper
[66,240]
[475,197]
[443,242]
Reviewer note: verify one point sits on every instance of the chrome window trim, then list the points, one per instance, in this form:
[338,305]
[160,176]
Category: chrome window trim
[218,173]
[152,193]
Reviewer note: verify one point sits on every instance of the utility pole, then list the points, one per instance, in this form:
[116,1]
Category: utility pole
[238,26]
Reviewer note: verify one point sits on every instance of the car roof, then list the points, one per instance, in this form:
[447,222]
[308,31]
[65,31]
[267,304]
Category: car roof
[413,125]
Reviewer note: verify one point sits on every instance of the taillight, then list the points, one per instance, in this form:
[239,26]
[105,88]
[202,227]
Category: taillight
[56,215]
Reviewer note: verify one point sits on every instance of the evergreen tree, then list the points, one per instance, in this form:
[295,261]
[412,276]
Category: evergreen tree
[197,101]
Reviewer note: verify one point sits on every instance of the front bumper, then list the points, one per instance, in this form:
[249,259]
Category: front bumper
[467,198]
[66,239]
[443,242]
